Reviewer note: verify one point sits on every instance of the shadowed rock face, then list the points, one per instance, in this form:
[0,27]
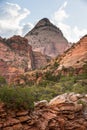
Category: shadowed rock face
[64,112]
[39,60]
[47,39]
[17,57]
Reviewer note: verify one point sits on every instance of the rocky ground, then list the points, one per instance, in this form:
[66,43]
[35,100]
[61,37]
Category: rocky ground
[64,112]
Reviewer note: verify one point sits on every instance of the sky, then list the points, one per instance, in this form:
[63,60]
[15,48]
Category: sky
[17,17]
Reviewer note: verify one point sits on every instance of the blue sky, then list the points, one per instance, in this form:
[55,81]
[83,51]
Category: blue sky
[19,16]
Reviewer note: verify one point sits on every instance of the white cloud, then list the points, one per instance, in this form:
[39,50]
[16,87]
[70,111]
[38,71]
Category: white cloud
[26,28]
[73,34]
[79,32]
[11,18]
[66,29]
[60,14]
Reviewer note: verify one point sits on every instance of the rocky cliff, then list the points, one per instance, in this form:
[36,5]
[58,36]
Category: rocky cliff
[73,61]
[17,57]
[40,60]
[64,112]
[76,56]
[47,39]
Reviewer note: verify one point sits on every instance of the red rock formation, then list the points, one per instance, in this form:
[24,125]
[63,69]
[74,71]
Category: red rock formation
[47,39]
[76,56]
[71,62]
[65,112]
[15,57]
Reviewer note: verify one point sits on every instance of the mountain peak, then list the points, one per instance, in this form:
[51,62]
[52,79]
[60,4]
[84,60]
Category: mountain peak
[43,22]
[47,39]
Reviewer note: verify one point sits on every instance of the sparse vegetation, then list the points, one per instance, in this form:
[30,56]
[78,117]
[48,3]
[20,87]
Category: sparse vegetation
[51,85]
[82,102]
[51,77]
[2,81]
[56,64]
[17,98]
[24,96]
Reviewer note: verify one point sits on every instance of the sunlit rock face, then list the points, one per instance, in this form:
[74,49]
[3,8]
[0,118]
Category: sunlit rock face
[76,56]
[64,112]
[47,39]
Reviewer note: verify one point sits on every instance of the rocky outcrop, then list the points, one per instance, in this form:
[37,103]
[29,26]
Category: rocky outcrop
[72,62]
[64,112]
[47,39]
[76,56]
[17,57]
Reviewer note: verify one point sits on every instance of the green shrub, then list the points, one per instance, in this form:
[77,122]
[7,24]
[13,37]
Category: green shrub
[51,86]
[2,81]
[84,104]
[56,64]
[17,98]
[49,76]
[78,88]
[85,68]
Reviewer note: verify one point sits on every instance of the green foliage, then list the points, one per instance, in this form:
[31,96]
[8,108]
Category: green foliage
[78,88]
[51,86]
[76,83]
[45,83]
[64,69]
[56,64]
[82,102]
[2,81]
[47,92]
[37,75]
[85,67]
[49,76]
[16,98]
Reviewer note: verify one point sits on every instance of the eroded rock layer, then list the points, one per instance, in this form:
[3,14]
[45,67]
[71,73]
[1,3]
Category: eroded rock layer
[65,112]
[76,56]
[17,57]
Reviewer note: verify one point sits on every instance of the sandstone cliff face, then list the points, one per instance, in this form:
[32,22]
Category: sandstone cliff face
[39,60]
[17,57]
[65,112]
[71,62]
[76,56]
[47,39]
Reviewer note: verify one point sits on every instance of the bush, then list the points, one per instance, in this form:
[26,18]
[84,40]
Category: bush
[2,81]
[51,86]
[78,88]
[56,64]
[49,76]
[17,98]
